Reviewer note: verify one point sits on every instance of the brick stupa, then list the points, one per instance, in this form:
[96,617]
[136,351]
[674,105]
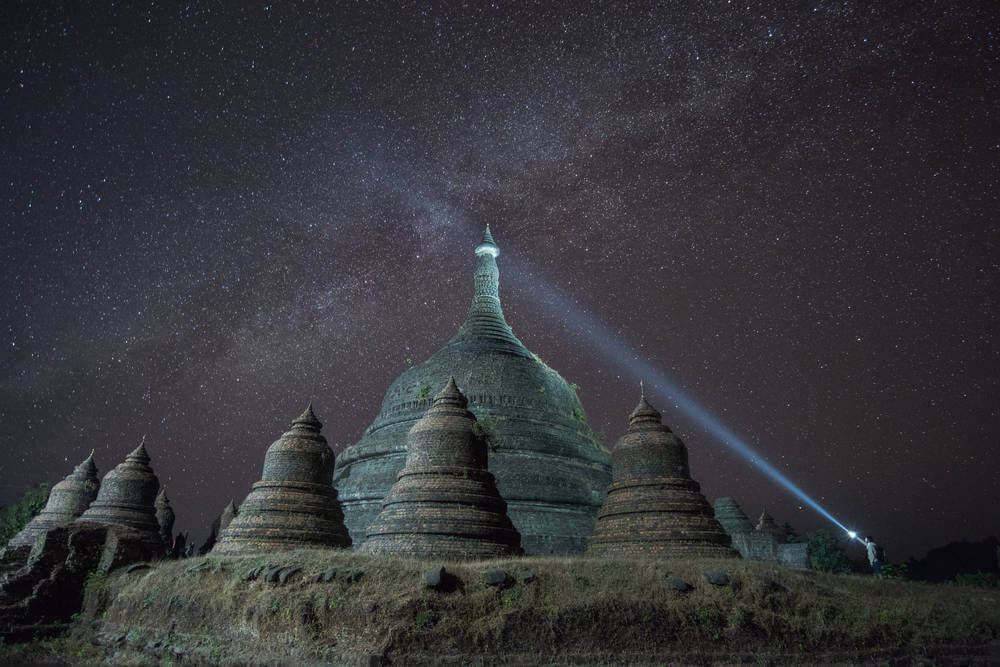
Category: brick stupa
[767,524]
[293,505]
[165,516]
[731,516]
[550,468]
[653,507]
[444,504]
[127,498]
[228,514]
[67,500]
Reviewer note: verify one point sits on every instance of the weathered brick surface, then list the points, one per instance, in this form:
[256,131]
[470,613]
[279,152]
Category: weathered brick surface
[127,498]
[653,507]
[293,505]
[67,501]
[549,467]
[732,518]
[49,586]
[227,516]
[444,504]
[765,542]
[767,524]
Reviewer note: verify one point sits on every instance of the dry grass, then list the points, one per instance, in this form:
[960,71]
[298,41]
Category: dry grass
[569,609]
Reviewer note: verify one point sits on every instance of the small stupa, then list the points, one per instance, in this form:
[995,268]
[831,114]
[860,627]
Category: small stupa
[294,504]
[731,516]
[165,516]
[67,500]
[445,503]
[127,498]
[653,507]
[767,524]
[228,514]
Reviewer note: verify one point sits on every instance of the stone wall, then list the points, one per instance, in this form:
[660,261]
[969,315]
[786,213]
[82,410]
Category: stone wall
[758,543]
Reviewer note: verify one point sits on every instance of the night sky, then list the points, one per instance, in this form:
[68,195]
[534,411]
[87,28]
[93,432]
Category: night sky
[215,213]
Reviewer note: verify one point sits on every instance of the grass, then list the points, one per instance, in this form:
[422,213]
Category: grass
[555,609]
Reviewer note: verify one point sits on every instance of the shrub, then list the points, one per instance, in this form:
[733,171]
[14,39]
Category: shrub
[979,579]
[17,516]
[899,571]
[826,554]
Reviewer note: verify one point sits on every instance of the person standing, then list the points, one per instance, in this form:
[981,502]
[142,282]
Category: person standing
[875,556]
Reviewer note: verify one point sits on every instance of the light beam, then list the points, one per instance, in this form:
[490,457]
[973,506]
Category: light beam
[598,337]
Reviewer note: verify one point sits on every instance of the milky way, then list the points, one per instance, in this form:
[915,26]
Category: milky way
[213,216]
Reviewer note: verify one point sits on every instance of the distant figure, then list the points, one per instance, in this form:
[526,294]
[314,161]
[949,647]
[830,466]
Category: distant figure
[876,556]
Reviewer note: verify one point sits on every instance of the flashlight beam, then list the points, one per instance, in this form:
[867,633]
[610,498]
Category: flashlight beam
[598,337]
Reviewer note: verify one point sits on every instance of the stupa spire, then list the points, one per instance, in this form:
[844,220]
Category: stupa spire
[485,319]
[488,245]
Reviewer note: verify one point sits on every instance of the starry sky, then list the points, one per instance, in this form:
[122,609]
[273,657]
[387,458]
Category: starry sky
[215,213]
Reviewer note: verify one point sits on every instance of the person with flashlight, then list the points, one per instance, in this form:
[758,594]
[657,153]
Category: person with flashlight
[876,556]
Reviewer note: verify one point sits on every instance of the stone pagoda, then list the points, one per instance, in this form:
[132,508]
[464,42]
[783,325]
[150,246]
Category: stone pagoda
[767,524]
[765,542]
[653,507]
[228,514]
[127,498]
[67,500]
[444,504]
[165,516]
[548,465]
[731,516]
[293,505]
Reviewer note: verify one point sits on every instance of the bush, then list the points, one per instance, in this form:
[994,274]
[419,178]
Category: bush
[979,579]
[890,571]
[17,516]
[826,554]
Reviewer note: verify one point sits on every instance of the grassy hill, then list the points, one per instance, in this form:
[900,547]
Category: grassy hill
[547,610]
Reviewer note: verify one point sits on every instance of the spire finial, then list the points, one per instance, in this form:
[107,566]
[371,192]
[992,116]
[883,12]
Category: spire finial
[488,245]
[140,451]
[642,390]
[450,395]
[307,419]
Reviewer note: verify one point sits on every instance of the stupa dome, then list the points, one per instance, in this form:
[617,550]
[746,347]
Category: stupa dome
[653,507]
[549,467]
[127,498]
[67,500]
[445,504]
[293,505]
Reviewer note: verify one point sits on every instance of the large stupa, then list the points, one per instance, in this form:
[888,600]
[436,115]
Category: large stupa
[549,467]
